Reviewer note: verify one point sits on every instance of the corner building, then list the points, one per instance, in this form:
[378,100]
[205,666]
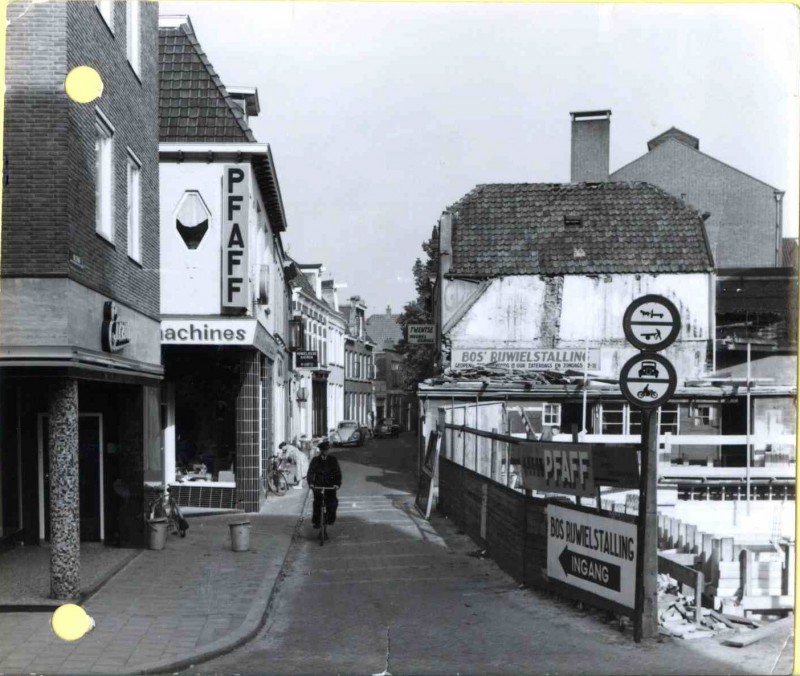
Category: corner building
[81,367]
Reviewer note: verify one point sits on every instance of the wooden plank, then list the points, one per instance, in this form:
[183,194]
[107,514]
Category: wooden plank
[719,617]
[742,640]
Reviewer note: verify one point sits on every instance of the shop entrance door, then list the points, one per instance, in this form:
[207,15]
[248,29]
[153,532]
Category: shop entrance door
[90,477]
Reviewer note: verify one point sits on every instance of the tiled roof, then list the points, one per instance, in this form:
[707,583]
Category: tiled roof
[384,330]
[194,105]
[578,228]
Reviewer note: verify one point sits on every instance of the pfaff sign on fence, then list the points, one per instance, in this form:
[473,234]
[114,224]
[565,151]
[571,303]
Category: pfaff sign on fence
[235,259]
[557,467]
[593,553]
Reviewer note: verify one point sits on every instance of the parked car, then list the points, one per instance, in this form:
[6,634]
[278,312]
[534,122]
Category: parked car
[348,433]
[387,427]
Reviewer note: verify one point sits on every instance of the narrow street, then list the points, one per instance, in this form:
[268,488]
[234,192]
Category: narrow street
[393,593]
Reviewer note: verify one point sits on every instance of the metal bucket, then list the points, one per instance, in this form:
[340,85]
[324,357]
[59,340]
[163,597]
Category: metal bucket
[240,536]
[158,533]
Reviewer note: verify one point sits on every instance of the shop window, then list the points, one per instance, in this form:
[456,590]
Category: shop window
[192,218]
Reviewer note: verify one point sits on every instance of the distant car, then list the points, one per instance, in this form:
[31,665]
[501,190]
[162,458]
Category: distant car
[648,368]
[387,427]
[348,433]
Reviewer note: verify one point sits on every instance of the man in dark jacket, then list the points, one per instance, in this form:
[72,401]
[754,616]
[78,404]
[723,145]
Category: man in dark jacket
[324,471]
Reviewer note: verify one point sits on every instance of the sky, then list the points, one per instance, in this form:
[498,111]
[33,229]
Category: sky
[381,115]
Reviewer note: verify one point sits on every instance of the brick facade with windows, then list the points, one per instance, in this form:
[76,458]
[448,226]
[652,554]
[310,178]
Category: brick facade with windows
[49,143]
[80,329]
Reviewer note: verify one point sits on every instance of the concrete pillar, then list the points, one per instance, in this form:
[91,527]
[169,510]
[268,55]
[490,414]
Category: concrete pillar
[65,530]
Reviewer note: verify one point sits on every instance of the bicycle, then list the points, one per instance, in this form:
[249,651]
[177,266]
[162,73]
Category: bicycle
[165,507]
[275,481]
[323,513]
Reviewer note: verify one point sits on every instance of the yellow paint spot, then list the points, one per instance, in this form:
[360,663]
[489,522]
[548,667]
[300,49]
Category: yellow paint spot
[71,622]
[83,84]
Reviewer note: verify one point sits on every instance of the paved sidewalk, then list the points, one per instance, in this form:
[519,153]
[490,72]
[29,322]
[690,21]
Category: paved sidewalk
[167,609]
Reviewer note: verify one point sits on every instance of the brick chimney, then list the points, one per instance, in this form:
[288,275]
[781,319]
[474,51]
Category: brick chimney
[591,131]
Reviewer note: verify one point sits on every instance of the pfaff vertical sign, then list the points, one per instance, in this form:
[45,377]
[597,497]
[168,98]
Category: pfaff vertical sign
[235,259]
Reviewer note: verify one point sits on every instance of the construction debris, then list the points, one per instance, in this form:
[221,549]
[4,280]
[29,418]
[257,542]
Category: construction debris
[678,618]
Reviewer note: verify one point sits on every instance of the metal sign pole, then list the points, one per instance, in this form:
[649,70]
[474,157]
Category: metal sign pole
[749,460]
[646,619]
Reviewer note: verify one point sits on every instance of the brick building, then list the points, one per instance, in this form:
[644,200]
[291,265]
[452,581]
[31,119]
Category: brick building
[81,364]
[391,400]
[319,390]
[359,365]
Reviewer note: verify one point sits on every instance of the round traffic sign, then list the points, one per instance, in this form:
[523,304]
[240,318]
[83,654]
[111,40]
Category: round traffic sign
[648,380]
[651,323]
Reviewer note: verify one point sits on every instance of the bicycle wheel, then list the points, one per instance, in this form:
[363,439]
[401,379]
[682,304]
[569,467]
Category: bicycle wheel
[323,517]
[276,482]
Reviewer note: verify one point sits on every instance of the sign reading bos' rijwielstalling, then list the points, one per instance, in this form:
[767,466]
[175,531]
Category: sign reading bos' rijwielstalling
[528,359]
[593,553]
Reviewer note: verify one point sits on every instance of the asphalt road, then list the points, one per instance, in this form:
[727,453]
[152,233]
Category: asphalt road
[391,593]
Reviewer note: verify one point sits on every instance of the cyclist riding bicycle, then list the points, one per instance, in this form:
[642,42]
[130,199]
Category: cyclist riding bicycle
[324,472]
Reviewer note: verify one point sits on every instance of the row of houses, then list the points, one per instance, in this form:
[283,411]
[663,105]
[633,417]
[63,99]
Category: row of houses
[533,281]
[154,331]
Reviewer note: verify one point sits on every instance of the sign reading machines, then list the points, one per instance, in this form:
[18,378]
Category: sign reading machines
[235,259]
[593,553]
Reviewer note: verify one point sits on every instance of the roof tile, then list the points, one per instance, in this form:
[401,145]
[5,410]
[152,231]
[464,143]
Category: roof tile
[508,229]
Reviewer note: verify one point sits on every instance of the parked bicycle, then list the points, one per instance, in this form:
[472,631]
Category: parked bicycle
[165,507]
[323,514]
[274,481]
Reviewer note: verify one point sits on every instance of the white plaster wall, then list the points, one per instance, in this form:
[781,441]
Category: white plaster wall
[190,279]
[510,314]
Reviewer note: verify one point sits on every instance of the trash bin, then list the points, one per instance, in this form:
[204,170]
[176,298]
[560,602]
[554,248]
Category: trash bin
[240,536]
[158,533]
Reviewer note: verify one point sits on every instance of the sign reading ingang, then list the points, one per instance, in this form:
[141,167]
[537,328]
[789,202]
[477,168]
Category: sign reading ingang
[527,359]
[592,553]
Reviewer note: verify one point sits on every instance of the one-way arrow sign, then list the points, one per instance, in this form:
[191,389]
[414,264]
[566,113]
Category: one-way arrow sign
[590,569]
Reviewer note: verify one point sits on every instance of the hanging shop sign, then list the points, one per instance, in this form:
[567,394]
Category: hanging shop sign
[648,380]
[526,359]
[592,553]
[235,259]
[306,359]
[211,332]
[420,334]
[115,334]
[651,323]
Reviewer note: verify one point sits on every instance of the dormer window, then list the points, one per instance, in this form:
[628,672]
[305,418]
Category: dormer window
[573,221]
